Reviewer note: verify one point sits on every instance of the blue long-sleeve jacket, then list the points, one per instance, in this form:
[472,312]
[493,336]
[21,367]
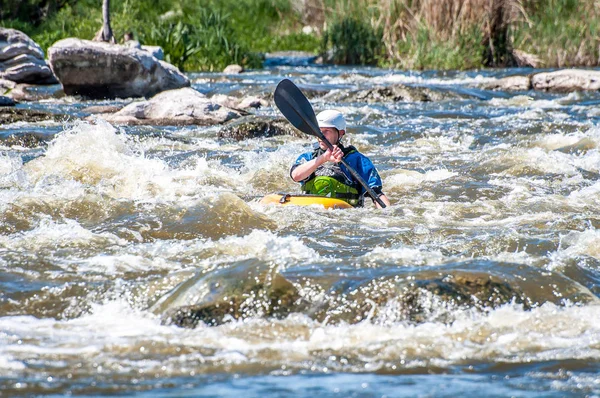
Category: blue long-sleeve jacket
[359,162]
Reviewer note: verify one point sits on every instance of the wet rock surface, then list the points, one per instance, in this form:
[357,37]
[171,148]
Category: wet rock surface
[180,107]
[258,126]
[13,115]
[560,81]
[246,290]
[394,93]
[567,80]
[25,140]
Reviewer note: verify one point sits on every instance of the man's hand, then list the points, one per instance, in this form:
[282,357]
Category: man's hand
[334,155]
[304,170]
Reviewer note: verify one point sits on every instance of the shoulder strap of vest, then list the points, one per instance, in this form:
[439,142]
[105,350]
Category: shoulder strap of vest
[348,150]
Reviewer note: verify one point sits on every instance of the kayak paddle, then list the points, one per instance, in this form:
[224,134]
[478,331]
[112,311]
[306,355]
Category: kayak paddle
[296,108]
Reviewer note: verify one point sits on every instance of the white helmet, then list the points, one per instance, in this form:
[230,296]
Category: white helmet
[331,118]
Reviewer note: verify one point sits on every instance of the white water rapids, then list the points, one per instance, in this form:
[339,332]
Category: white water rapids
[484,272]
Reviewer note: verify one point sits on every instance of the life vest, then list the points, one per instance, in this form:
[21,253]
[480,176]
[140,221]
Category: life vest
[329,180]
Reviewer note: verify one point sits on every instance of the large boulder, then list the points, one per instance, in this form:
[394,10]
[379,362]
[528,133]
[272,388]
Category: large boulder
[567,80]
[104,70]
[22,60]
[179,107]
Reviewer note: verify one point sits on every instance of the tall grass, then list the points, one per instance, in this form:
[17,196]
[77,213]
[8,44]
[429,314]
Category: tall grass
[460,34]
[562,33]
[441,34]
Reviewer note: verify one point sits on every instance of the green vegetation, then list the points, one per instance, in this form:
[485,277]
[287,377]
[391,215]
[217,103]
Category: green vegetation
[354,42]
[444,34]
[561,32]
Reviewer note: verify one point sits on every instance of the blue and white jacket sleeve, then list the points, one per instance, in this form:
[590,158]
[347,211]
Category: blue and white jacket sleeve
[365,168]
[305,157]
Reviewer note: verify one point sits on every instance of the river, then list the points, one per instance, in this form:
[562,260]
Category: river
[482,278]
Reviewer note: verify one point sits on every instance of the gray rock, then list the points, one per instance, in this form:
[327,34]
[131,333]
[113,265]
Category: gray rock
[254,289]
[22,60]
[34,92]
[233,69]
[510,83]
[103,70]
[95,109]
[14,115]
[393,93]
[258,126]
[156,51]
[567,80]
[6,86]
[179,107]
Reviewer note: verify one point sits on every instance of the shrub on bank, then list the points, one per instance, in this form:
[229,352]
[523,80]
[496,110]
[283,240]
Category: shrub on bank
[354,42]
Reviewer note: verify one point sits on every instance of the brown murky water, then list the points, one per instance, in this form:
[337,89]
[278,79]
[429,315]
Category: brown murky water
[139,261]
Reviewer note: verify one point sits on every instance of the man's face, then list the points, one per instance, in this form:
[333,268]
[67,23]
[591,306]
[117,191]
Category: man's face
[332,134]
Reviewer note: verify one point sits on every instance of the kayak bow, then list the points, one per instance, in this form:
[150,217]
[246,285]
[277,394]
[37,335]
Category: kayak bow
[305,200]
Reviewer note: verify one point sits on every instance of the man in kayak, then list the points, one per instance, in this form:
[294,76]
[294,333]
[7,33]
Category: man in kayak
[321,173]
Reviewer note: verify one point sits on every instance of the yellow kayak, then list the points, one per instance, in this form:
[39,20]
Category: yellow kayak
[305,200]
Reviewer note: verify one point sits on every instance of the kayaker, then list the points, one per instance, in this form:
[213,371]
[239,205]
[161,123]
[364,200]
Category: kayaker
[321,173]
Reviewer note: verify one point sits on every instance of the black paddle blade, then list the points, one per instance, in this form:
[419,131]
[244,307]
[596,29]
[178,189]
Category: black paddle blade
[296,108]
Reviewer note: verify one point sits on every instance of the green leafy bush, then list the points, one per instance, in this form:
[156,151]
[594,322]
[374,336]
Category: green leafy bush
[354,42]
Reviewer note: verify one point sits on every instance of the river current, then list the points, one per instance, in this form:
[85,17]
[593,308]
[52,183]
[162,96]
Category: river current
[482,277]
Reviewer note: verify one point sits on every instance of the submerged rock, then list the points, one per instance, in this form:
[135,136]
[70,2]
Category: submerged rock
[184,106]
[22,60]
[26,140]
[246,290]
[393,93]
[33,92]
[253,289]
[567,80]
[13,115]
[104,70]
[258,126]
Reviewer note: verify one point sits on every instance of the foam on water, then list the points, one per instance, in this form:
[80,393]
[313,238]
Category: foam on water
[50,235]
[401,78]
[409,179]
[576,244]
[99,157]
[409,256]
[119,256]
[507,334]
